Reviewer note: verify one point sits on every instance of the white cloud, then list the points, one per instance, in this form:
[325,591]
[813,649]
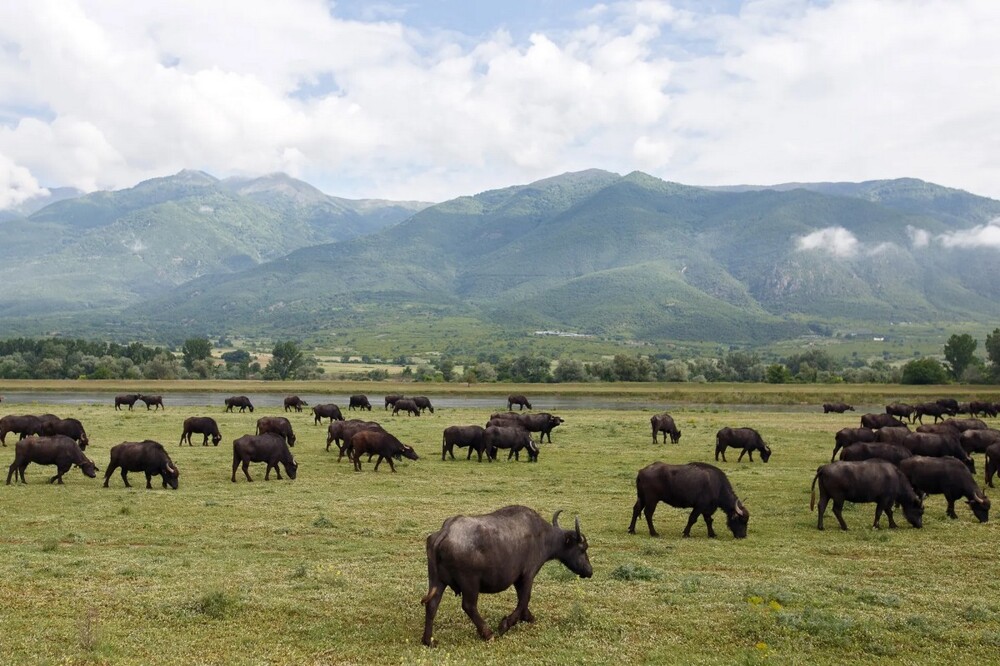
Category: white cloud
[838,241]
[984,235]
[17,185]
[919,238]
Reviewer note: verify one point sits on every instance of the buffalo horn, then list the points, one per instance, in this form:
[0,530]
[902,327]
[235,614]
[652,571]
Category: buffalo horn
[739,508]
[555,518]
[980,498]
[578,527]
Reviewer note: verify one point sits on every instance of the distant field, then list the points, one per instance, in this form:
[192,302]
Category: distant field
[330,568]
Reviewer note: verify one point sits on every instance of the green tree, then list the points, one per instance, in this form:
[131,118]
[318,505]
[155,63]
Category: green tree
[569,370]
[993,351]
[924,371]
[960,352]
[196,349]
[286,360]
[778,374]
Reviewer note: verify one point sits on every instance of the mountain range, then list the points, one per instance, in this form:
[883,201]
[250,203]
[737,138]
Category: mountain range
[631,257]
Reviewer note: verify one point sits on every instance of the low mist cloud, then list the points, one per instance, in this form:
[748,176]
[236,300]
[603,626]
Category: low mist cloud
[980,236]
[838,241]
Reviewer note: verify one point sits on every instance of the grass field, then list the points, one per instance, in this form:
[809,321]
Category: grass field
[330,568]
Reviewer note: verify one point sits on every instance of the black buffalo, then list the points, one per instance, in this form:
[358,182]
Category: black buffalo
[893,453]
[876,481]
[268,448]
[327,411]
[901,410]
[340,432]
[950,405]
[294,402]
[977,441]
[747,439]
[665,423]
[935,409]
[126,399]
[542,422]
[837,407]
[382,444]
[148,457]
[359,401]
[152,400]
[22,426]
[423,402]
[472,436]
[488,554]
[277,425]
[202,425]
[948,477]
[514,438]
[982,408]
[699,486]
[240,401]
[846,436]
[72,428]
[518,400]
[966,424]
[391,399]
[936,446]
[405,405]
[58,450]
[876,421]
[992,462]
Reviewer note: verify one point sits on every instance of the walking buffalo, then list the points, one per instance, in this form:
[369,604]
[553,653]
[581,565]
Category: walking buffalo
[472,436]
[901,410]
[423,402]
[518,400]
[22,426]
[359,402]
[665,423]
[57,450]
[152,400]
[490,553]
[876,481]
[126,399]
[148,457]
[747,439]
[405,405]
[948,477]
[268,448]
[701,487]
[327,411]
[294,402]
[277,425]
[72,428]
[837,407]
[202,425]
[982,408]
[381,443]
[240,401]
[935,409]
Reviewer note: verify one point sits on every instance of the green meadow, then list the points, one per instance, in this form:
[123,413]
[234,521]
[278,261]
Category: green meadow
[330,567]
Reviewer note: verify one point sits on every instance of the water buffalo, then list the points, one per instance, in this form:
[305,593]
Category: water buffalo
[126,399]
[894,453]
[876,481]
[423,402]
[948,477]
[518,400]
[342,431]
[992,462]
[901,410]
[665,423]
[542,422]
[977,441]
[57,450]
[146,456]
[699,486]
[949,427]
[837,407]
[982,408]
[22,426]
[294,402]
[359,401]
[513,438]
[152,400]
[277,425]
[472,436]
[327,411]
[391,399]
[490,553]
[747,439]
[966,424]
[950,405]
[202,425]
[876,421]
[267,448]
[846,436]
[938,411]
[405,405]
[381,443]
[72,428]
[936,446]
[240,401]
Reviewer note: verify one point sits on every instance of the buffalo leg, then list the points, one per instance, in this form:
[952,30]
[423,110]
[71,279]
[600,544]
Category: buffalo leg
[60,470]
[108,473]
[520,612]
[11,471]
[470,599]
[20,472]
[125,477]
[246,469]
[951,507]
[149,481]
[838,511]
[636,510]
[692,519]
[823,500]
[991,469]
[236,463]
[391,466]
[708,523]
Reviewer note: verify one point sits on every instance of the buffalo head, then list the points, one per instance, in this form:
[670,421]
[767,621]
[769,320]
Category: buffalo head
[737,520]
[765,453]
[573,551]
[408,452]
[170,474]
[88,468]
[216,439]
[980,505]
[291,468]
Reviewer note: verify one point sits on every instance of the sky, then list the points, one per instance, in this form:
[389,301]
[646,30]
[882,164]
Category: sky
[433,99]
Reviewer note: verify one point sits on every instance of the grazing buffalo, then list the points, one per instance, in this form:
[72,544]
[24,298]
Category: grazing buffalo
[894,453]
[392,398]
[327,411]
[22,426]
[936,446]
[72,428]
[513,438]
[518,400]
[982,408]
[202,425]
[423,402]
[992,462]
[949,428]
[126,399]
[406,405]
[837,407]
[542,422]
[876,421]
[938,411]
[153,400]
[892,435]
[977,441]
[948,477]
[381,443]
[472,436]
[901,410]
[747,439]
[966,424]
[148,457]
[699,486]
[487,554]
[359,401]
[342,431]
[876,481]
[277,425]
[846,436]
[294,402]
[240,401]
[665,423]
[58,450]
[267,448]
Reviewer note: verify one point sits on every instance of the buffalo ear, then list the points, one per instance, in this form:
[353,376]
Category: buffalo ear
[570,538]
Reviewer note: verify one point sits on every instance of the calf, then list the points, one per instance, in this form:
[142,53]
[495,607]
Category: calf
[665,423]
[876,481]
[277,425]
[267,448]
[949,477]
[202,425]
[747,439]
[490,553]
[58,450]
[379,442]
[147,456]
[701,487]
[329,410]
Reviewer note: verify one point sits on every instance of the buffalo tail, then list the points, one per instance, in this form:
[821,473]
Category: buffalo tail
[430,595]
[812,496]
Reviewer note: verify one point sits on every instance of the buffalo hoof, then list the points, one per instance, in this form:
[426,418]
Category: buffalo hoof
[430,642]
